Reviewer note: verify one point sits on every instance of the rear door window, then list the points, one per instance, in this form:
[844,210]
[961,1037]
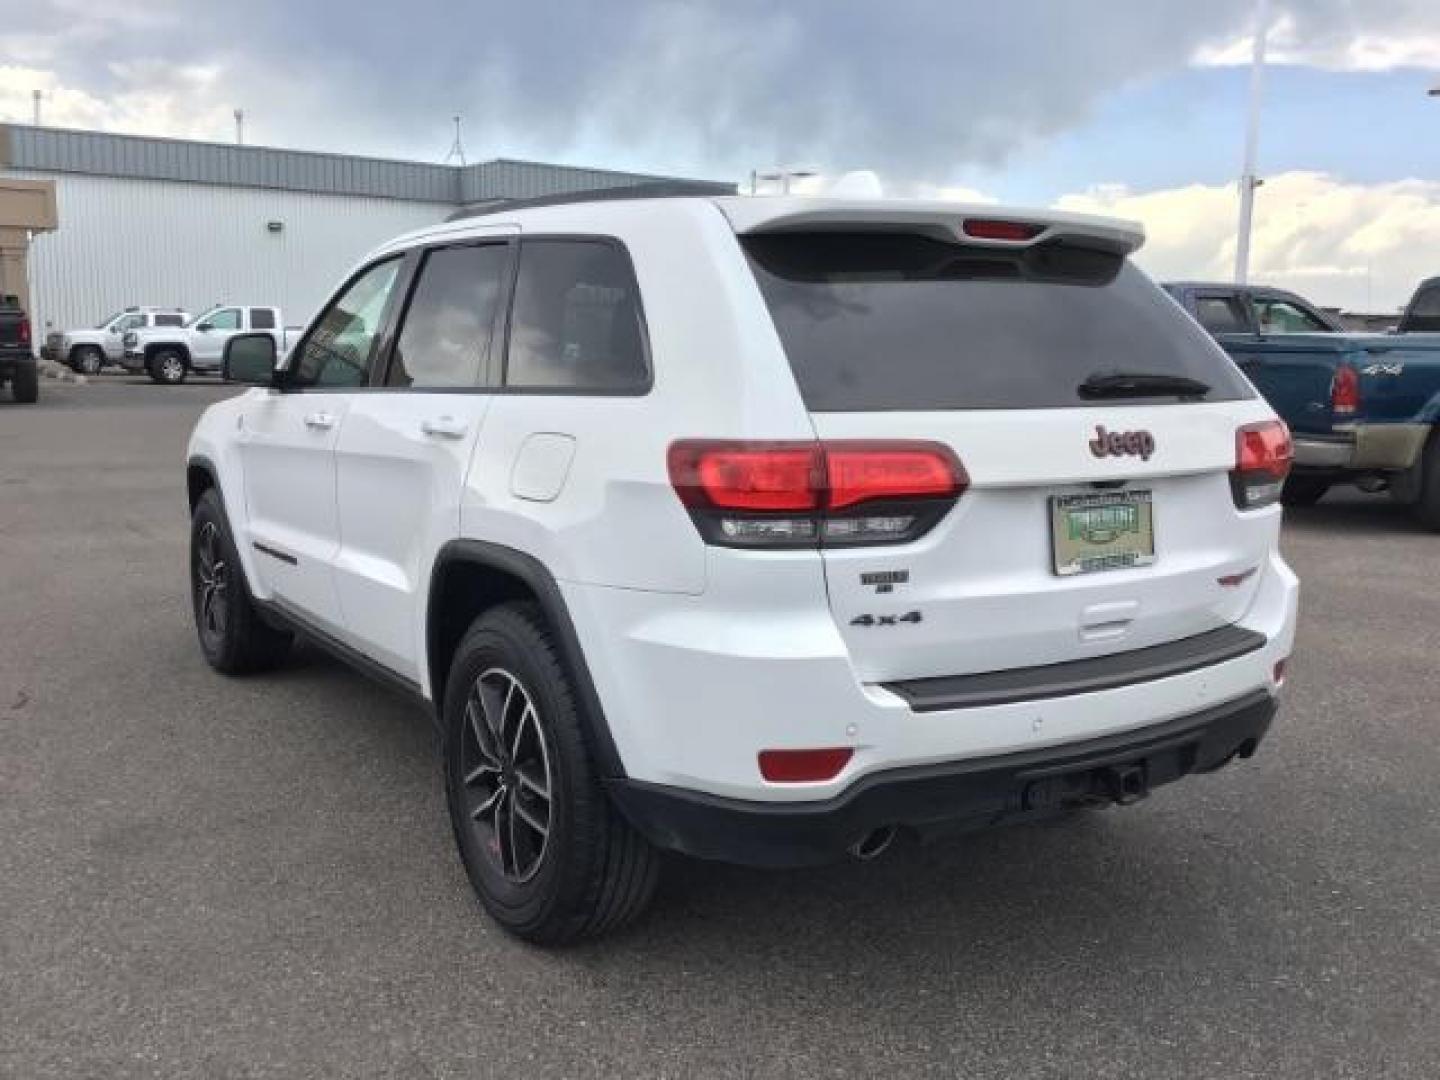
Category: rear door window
[262,318]
[445,339]
[1221,315]
[904,322]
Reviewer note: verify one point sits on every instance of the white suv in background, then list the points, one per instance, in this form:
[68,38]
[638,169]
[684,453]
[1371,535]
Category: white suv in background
[756,529]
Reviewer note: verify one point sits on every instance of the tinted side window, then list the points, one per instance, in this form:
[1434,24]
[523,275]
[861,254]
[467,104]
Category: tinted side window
[1283,317]
[1221,315]
[339,348]
[1424,313]
[229,319]
[575,323]
[262,318]
[169,320]
[446,337]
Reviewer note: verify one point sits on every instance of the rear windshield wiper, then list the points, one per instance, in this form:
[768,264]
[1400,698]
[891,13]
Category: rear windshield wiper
[1123,384]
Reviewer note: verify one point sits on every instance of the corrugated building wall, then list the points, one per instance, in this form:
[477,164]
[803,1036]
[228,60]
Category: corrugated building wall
[175,222]
[127,241]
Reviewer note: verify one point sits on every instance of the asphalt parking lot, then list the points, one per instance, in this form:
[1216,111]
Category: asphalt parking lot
[204,877]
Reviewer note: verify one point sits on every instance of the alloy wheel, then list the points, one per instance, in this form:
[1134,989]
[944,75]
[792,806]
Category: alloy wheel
[172,368]
[212,581]
[507,778]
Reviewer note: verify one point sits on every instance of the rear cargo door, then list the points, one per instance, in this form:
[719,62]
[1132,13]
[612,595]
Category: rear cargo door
[1093,522]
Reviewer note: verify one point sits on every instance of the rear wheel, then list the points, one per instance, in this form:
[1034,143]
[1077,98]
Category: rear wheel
[233,636]
[25,383]
[1427,506]
[1301,490]
[551,860]
[167,366]
[88,360]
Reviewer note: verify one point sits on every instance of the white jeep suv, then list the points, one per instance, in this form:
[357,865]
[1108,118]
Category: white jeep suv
[756,529]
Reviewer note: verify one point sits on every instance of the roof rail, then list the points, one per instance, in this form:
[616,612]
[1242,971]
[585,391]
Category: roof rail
[653,189]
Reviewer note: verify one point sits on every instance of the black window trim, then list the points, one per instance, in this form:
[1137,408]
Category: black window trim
[1280,296]
[641,389]
[416,257]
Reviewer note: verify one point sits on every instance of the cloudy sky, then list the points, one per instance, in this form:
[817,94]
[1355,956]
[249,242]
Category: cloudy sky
[1134,107]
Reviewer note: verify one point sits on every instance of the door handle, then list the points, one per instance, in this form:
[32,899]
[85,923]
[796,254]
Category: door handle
[445,427]
[321,421]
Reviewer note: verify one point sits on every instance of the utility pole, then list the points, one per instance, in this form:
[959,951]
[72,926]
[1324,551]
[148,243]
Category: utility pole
[457,148]
[38,95]
[239,127]
[1248,180]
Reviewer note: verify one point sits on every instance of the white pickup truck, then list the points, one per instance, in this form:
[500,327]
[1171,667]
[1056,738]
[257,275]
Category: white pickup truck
[90,349]
[169,354]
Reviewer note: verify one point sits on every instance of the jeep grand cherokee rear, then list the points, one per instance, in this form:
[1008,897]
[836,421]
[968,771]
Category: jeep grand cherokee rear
[1040,507]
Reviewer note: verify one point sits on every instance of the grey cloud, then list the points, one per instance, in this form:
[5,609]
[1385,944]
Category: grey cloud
[912,87]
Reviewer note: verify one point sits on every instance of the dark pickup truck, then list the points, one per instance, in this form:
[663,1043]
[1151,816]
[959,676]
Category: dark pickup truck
[1362,408]
[17,353]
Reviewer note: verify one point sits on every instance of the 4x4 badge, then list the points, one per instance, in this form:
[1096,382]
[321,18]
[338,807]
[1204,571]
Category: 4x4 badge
[887,620]
[1120,443]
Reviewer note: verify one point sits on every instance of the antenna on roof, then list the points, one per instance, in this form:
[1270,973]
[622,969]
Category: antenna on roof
[457,148]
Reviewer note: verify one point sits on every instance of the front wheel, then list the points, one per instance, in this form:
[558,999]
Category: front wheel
[168,367]
[88,361]
[551,860]
[233,637]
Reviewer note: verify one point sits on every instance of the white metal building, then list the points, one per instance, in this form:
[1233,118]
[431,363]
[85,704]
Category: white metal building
[171,222]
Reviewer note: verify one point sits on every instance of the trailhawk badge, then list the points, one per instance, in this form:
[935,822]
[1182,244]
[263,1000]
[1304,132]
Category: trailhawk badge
[1139,444]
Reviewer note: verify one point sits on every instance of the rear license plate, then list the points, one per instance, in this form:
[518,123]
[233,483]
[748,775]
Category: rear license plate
[1109,530]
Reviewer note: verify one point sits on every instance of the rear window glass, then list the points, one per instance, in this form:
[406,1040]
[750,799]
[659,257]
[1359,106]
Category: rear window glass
[895,321]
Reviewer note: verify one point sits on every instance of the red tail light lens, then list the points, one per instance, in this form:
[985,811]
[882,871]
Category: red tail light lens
[24,331]
[1345,391]
[989,229]
[800,494]
[803,766]
[1263,453]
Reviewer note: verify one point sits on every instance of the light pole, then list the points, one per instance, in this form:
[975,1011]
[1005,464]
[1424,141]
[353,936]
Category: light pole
[1248,180]
[39,94]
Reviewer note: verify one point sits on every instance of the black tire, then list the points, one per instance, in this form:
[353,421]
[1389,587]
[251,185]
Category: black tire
[87,360]
[25,383]
[1302,490]
[588,872]
[167,367]
[233,637]
[1427,506]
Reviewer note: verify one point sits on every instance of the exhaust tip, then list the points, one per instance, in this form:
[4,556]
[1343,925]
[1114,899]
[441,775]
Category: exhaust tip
[873,844]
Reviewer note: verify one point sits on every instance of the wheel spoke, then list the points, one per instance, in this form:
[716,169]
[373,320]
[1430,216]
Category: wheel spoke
[483,769]
[480,729]
[489,805]
[518,808]
[527,715]
[527,778]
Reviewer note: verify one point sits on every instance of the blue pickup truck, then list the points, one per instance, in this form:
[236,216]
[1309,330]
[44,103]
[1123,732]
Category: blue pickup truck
[1363,408]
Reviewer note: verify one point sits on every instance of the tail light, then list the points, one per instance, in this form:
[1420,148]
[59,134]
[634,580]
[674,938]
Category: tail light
[814,494]
[991,229]
[1345,391]
[1262,461]
[24,330]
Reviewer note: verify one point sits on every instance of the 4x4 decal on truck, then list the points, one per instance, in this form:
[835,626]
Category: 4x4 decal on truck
[911,617]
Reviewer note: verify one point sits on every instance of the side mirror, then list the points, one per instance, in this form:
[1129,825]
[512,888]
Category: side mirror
[249,359]
[205,327]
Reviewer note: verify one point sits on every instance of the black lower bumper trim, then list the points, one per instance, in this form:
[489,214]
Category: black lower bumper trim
[1079,676]
[947,797]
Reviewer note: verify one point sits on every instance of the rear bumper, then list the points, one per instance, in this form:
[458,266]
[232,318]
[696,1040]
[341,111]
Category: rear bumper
[10,359]
[1361,447]
[949,797]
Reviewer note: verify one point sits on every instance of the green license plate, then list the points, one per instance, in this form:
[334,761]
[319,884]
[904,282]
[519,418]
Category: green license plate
[1110,530]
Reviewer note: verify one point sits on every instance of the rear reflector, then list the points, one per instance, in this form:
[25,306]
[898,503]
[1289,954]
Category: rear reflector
[1345,391]
[990,229]
[803,766]
[1263,453]
[800,494]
